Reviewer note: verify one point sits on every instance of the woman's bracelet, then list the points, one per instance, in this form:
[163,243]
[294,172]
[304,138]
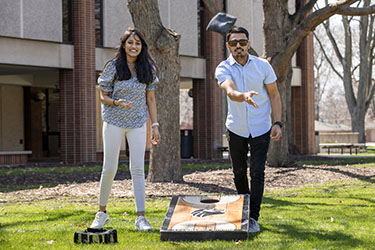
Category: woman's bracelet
[154,124]
[114,102]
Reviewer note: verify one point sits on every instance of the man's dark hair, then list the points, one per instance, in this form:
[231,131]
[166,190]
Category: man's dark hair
[236,29]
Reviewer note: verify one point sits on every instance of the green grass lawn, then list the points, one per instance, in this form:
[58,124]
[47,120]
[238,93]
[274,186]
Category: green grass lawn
[352,161]
[327,216]
[330,216]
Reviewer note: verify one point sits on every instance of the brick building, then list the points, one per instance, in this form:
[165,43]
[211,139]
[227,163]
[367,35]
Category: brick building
[51,52]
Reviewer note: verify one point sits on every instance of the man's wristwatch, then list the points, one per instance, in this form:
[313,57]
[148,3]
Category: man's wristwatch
[279,123]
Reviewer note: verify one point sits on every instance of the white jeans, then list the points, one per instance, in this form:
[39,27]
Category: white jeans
[112,139]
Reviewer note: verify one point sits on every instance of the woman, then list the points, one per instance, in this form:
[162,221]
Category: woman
[127,92]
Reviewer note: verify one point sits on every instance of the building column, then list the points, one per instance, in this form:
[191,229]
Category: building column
[208,123]
[303,110]
[33,122]
[77,90]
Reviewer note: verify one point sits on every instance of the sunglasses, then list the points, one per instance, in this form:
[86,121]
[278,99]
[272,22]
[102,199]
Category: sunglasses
[242,42]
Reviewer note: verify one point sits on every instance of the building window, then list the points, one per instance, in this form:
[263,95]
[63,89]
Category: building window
[99,23]
[67,16]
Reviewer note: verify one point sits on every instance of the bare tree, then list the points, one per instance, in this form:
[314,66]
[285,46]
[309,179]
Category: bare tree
[371,114]
[355,69]
[333,108]
[283,33]
[322,73]
[165,161]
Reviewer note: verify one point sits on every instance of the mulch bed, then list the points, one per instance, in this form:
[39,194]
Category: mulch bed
[200,182]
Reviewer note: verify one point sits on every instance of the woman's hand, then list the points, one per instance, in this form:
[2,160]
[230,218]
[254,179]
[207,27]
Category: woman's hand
[155,135]
[123,103]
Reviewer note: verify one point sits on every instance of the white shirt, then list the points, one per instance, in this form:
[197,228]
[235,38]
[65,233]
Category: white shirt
[242,118]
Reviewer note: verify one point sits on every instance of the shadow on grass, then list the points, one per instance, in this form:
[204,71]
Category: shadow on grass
[279,204]
[347,173]
[290,171]
[363,199]
[48,217]
[294,232]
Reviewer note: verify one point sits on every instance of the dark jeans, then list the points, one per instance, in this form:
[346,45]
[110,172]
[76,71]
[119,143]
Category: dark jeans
[238,149]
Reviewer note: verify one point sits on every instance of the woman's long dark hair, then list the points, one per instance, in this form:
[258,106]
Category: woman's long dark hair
[143,65]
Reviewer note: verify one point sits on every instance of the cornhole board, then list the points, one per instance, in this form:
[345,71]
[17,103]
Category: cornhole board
[200,218]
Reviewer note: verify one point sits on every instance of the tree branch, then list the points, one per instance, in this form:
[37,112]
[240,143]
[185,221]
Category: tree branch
[149,6]
[154,31]
[364,45]
[371,39]
[370,95]
[371,63]
[355,68]
[308,25]
[211,6]
[321,89]
[317,17]
[300,14]
[348,44]
[347,66]
[333,42]
[352,11]
[327,58]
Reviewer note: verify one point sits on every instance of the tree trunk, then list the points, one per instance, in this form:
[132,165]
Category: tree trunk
[278,155]
[275,27]
[358,124]
[165,160]
[365,64]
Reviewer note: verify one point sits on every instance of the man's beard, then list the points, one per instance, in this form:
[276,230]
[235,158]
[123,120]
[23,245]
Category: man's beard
[238,55]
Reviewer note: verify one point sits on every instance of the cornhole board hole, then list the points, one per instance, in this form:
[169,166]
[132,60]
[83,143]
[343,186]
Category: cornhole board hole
[200,218]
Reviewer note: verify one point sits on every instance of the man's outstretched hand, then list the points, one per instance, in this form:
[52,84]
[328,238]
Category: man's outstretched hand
[247,95]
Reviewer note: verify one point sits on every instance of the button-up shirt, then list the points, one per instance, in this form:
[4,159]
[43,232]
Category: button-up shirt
[130,90]
[242,118]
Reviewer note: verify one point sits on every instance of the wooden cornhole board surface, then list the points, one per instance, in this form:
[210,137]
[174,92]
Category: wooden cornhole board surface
[198,218]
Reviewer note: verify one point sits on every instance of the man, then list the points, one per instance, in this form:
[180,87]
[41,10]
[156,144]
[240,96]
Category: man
[250,85]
